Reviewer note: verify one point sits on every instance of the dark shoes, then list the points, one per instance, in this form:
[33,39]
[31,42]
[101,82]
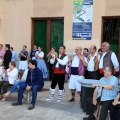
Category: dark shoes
[92,117]
[31,107]
[16,103]
[20,103]
[72,99]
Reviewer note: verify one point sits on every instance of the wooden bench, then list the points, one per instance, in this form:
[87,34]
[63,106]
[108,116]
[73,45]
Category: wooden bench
[29,93]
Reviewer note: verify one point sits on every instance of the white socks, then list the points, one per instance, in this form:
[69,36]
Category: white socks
[60,96]
[52,95]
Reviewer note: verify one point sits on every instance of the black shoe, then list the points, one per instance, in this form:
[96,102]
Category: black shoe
[31,107]
[89,118]
[84,110]
[72,99]
[16,103]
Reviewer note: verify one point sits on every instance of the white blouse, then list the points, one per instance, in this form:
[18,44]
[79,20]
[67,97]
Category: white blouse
[40,54]
[12,75]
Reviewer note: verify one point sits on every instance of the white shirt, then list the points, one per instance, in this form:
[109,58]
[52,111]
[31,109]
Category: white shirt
[12,75]
[75,61]
[61,62]
[40,54]
[24,75]
[113,59]
[91,63]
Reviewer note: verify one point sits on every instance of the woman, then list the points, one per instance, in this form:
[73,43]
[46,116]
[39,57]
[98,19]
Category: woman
[41,63]
[23,65]
[9,77]
[17,84]
[32,53]
[115,109]
[13,54]
[49,56]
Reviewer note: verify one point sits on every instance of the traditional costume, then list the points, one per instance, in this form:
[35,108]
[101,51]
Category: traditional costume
[41,64]
[108,59]
[32,54]
[92,69]
[77,70]
[59,75]
[23,65]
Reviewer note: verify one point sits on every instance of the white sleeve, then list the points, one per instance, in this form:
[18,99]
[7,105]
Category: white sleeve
[52,60]
[24,75]
[115,61]
[86,60]
[64,61]
[42,54]
[13,73]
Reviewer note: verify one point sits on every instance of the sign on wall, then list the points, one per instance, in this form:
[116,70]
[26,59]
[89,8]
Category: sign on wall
[82,19]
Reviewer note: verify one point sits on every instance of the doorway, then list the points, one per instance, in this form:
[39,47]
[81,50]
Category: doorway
[111,33]
[47,33]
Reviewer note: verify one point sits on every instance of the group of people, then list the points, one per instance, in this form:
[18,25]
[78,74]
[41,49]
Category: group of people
[36,54]
[102,65]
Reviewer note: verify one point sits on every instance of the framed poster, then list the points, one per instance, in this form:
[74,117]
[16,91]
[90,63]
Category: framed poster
[82,19]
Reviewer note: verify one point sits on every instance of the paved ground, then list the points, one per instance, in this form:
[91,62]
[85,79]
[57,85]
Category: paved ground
[44,110]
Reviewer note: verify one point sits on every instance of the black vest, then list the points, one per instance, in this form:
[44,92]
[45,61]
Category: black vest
[107,62]
[61,67]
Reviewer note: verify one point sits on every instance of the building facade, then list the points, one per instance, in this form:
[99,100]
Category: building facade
[18,17]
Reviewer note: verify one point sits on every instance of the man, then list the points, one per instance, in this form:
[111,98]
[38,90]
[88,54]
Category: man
[85,52]
[33,82]
[2,52]
[77,68]
[59,72]
[108,58]
[8,56]
[32,53]
[115,108]
[93,63]
[92,73]
[109,83]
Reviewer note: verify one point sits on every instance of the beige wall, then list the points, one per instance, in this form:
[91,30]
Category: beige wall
[96,30]
[112,8]
[64,8]
[15,26]
[16,16]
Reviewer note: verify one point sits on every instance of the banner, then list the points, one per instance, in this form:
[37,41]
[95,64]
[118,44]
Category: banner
[82,19]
